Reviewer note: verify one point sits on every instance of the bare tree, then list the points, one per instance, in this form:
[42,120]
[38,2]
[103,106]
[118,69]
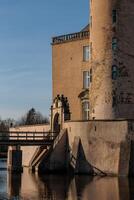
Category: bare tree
[4,129]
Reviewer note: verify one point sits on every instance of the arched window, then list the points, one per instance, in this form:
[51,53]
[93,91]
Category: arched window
[85,110]
[114,72]
[114,43]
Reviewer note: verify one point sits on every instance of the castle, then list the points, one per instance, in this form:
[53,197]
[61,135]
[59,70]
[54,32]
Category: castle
[94,67]
[93,94]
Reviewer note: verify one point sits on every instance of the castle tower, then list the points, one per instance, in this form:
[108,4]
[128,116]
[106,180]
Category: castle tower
[112,43]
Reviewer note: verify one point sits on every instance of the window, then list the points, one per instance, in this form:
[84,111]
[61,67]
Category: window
[85,110]
[114,44]
[86,53]
[114,16]
[90,75]
[86,79]
[90,21]
[90,49]
[114,72]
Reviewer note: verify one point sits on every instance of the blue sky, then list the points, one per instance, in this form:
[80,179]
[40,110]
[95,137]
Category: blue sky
[26,28]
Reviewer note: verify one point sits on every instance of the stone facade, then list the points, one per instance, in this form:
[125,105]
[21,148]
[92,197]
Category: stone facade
[68,67]
[60,112]
[106,144]
[112,41]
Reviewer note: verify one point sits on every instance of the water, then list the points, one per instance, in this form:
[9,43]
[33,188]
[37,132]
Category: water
[30,186]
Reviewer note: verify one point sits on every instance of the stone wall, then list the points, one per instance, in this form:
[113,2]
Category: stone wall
[112,98]
[67,73]
[105,144]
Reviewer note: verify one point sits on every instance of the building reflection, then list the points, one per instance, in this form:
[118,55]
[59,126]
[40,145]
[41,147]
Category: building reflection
[14,185]
[56,186]
[61,187]
[106,188]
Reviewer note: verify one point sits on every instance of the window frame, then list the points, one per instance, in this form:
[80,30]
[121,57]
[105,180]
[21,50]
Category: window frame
[86,52]
[86,79]
[86,111]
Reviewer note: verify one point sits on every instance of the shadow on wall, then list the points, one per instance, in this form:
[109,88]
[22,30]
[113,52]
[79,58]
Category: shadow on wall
[61,159]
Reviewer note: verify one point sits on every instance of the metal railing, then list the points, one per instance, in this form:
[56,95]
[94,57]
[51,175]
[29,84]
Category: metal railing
[69,37]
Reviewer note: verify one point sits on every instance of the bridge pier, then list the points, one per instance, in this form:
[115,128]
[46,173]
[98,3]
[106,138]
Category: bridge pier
[15,159]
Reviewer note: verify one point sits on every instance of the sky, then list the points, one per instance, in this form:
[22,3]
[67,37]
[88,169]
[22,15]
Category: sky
[26,29]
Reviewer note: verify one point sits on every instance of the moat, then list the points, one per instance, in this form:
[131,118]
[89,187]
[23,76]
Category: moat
[30,186]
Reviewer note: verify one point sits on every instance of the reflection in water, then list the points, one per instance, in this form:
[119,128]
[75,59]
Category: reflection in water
[3,178]
[80,183]
[30,186]
[14,185]
[57,186]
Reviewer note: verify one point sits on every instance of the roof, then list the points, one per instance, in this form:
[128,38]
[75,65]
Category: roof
[86,28]
[83,34]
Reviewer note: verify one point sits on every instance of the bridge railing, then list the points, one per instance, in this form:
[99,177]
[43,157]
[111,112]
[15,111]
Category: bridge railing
[28,136]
